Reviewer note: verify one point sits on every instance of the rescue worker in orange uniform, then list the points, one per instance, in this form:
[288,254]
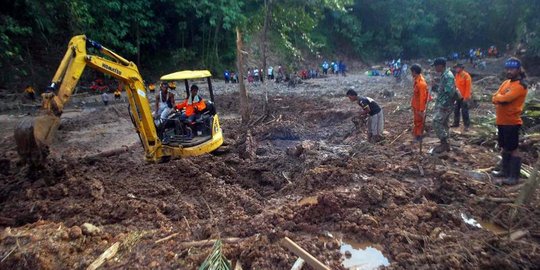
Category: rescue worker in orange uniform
[192,105]
[117,94]
[152,87]
[464,85]
[509,101]
[418,102]
[30,93]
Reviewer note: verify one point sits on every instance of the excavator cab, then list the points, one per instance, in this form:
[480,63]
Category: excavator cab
[200,132]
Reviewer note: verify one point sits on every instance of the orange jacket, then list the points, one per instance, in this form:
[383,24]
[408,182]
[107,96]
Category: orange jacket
[420,94]
[190,108]
[509,101]
[464,84]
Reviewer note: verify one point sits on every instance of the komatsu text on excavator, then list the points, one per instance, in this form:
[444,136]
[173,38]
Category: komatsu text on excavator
[161,142]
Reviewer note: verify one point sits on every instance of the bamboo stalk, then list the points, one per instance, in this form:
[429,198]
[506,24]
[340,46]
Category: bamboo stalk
[166,238]
[296,249]
[107,255]
[298,264]
[518,234]
[401,134]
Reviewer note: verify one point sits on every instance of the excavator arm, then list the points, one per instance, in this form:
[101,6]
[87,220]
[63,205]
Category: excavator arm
[34,136]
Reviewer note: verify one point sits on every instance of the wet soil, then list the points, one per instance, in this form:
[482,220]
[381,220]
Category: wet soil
[301,171]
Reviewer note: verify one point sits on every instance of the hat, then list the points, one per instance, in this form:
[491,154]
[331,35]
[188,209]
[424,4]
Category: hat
[439,62]
[194,87]
[512,63]
[459,65]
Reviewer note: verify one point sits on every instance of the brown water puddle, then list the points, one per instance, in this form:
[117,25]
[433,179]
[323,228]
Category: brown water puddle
[362,255]
[483,224]
[492,227]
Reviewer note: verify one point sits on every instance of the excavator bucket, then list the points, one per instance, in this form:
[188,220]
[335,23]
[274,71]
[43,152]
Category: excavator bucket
[33,137]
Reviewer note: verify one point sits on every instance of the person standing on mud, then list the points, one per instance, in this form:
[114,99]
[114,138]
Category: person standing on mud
[418,102]
[509,101]
[342,68]
[373,111]
[30,93]
[446,91]
[325,67]
[464,86]
[105,98]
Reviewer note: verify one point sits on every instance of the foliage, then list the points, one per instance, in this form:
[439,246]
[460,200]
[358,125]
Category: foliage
[168,35]
[427,28]
[216,260]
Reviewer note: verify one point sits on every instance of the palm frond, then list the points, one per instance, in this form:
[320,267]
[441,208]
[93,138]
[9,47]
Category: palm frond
[216,260]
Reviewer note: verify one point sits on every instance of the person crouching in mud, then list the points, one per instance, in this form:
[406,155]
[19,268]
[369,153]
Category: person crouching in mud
[374,114]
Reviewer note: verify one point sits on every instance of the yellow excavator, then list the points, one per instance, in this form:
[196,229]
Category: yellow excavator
[161,141]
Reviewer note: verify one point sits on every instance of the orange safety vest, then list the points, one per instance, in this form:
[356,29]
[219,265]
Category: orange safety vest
[29,90]
[190,108]
[464,84]
[420,94]
[509,101]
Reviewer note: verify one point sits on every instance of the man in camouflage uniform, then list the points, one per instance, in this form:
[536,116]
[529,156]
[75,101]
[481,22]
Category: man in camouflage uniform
[444,103]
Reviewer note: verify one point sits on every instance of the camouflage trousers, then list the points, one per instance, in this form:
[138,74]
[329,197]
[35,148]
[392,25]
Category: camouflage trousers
[440,122]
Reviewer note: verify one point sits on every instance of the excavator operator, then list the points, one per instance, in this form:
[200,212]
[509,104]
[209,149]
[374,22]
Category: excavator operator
[192,104]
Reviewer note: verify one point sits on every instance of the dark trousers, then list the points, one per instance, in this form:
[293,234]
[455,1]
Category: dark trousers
[462,106]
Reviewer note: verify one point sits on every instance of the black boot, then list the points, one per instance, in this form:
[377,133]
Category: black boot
[502,171]
[443,147]
[514,171]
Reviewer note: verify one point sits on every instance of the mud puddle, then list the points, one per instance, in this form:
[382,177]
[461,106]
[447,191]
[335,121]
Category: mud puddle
[483,224]
[492,227]
[362,255]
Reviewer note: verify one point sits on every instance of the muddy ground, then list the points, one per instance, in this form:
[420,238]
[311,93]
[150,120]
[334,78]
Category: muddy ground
[302,171]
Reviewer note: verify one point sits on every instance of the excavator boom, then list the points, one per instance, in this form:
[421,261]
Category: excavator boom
[34,136]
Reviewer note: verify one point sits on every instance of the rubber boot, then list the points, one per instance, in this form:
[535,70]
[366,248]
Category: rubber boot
[443,147]
[513,172]
[503,170]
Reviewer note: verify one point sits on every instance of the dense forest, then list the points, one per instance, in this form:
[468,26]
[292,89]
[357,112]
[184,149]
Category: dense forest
[167,35]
